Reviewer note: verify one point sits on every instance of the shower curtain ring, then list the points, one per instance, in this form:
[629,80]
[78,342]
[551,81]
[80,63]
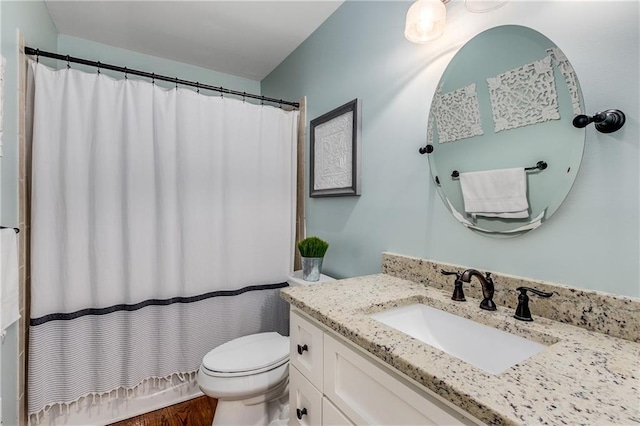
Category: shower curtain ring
[280,104]
[98,67]
[68,64]
[198,87]
[262,100]
[176,83]
[244,94]
[153,78]
[125,73]
[221,90]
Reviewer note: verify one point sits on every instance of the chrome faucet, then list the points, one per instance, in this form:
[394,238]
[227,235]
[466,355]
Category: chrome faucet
[487,287]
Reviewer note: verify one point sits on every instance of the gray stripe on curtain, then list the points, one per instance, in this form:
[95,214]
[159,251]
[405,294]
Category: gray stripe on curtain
[68,358]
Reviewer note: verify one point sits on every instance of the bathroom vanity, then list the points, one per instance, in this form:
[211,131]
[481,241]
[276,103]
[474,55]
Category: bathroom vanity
[334,382]
[349,368]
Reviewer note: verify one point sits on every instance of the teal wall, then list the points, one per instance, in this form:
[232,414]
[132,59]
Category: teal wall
[33,21]
[592,241]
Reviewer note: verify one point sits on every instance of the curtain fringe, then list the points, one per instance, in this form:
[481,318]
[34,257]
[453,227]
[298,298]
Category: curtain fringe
[129,393]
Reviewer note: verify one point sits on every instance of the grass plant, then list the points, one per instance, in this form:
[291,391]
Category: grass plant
[312,247]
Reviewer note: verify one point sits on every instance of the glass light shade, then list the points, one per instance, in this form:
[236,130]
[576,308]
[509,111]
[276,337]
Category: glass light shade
[425,21]
[482,6]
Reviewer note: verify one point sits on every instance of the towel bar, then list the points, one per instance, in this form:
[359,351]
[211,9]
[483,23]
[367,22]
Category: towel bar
[9,227]
[540,165]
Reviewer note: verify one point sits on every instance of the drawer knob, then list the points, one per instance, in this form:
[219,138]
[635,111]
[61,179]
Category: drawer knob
[300,413]
[302,349]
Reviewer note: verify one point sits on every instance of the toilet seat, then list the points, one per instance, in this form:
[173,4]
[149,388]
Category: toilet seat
[246,356]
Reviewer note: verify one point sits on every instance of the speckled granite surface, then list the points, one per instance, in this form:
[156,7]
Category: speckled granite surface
[583,377]
[617,316]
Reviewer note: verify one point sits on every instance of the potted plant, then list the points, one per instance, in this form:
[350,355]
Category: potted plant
[312,250]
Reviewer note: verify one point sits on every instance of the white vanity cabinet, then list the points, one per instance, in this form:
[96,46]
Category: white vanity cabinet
[306,342]
[334,382]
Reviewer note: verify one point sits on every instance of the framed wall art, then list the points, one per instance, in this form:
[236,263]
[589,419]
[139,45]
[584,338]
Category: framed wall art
[335,152]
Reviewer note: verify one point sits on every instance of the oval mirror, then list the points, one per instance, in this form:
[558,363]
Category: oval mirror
[505,101]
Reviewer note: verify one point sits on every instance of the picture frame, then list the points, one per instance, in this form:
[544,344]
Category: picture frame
[335,152]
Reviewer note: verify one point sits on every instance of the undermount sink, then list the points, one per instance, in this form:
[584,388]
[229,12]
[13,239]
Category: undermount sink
[487,348]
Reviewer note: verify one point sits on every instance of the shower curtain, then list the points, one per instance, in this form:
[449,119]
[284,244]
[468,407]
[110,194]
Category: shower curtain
[162,226]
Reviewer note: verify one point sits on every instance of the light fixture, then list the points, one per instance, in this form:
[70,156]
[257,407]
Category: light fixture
[425,20]
[483,6]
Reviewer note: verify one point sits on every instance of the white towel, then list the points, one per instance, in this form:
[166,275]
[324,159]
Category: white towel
[496,193]
[8,278]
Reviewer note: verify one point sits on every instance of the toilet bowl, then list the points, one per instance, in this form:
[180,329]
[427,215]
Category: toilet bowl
[249,376]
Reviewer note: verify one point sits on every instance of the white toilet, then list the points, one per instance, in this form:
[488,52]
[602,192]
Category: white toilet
[249,376]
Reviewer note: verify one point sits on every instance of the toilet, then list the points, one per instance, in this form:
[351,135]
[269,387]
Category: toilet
[249,376]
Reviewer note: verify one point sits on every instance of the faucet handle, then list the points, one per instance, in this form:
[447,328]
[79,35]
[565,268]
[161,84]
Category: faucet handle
[488,277]
[522,311]
[458,293]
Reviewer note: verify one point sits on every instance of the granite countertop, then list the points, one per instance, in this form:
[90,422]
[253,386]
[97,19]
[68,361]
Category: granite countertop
[583,377]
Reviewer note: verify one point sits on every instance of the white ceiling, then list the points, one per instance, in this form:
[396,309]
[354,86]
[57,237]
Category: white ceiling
[243,38]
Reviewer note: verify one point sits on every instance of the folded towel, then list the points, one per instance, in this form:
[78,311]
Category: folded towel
[496,193]
[8,278]
[505,215]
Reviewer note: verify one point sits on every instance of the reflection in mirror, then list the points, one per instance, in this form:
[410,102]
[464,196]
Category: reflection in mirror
[504,153]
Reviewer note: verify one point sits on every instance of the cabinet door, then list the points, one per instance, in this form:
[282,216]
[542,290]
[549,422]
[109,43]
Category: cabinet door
[331,416]
[306,348]
[305,401]
[367,394]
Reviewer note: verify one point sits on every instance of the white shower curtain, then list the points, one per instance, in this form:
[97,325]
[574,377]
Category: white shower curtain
[162,226]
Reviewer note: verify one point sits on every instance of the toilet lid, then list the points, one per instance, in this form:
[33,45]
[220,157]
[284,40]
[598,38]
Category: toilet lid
[248,353]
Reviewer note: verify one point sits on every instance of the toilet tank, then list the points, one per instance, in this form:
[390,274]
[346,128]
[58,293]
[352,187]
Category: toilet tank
[295,279]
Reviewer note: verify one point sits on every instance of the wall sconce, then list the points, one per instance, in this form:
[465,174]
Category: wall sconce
[608,121]
[425,20]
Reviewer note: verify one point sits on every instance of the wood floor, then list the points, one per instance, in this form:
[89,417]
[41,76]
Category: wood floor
[195,412]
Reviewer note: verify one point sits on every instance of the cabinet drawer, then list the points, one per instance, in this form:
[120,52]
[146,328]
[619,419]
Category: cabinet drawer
[305,401]
[367,394]
[306,349]
[331,416]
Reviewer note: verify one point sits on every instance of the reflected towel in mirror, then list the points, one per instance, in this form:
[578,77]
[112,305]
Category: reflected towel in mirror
[496,193]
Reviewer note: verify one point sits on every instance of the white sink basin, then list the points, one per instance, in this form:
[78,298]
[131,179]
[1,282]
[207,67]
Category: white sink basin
[488,348]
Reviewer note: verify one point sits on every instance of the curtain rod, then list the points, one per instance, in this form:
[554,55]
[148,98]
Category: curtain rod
[153,76]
